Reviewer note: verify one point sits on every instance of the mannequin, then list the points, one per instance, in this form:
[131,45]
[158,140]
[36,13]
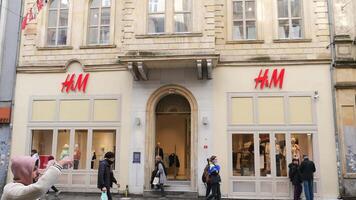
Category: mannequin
[93,158]
[76,157]
[159,150]
[296,151]
[64,153]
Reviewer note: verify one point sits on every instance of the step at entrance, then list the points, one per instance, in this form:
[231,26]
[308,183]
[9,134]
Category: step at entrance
[173,190]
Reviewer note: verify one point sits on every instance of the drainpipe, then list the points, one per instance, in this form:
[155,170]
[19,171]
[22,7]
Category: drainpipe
[333,93]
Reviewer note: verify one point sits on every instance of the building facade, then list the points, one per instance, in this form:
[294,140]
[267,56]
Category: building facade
[344,39]
[10,12]
[246,80]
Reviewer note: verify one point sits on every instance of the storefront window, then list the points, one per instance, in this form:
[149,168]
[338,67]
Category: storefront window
[280,151]
[302,144]
[42,143]
[103,141]
[243,156]
[63,144]
[265,158]
[80,149]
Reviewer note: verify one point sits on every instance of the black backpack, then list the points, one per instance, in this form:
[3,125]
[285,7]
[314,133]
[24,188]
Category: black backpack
[205,176]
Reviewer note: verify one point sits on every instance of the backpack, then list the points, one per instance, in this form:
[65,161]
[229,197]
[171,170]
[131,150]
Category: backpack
[205,176]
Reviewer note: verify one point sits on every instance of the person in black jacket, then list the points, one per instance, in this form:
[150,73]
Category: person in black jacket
[296,178]
[307,169]
[105,174]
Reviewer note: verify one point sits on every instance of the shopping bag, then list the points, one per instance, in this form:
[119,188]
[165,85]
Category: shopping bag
[155,181]
[104,196]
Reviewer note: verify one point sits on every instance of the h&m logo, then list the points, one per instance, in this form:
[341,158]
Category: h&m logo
[73,84]
[265,81]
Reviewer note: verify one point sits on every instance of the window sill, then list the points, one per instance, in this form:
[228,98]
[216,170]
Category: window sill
[54,48]
[245,42]
[168,35]
[98,46]
[292,40]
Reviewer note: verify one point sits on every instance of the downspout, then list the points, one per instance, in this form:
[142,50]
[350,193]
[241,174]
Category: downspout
[333,93]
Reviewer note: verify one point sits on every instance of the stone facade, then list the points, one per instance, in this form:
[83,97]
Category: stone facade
[345,85]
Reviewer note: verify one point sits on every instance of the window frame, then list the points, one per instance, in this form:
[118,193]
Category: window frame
[190,12]
[290,18]
[156,13]
[99,26]
[67,27]
[244,20]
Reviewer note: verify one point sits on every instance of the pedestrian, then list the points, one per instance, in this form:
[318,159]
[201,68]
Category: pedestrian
[296,178]
[206,179]
[214,172]
[105,174]
[25,171]
[307,169]
[50,162]
[161,173]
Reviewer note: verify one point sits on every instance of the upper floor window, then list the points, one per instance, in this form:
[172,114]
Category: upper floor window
[244,20]
[57,28]
[99,22]
[178,11]
[289,19]
[182,15]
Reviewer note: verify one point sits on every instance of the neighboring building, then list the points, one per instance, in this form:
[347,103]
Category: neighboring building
[182,73]
[9,42]
[345,86]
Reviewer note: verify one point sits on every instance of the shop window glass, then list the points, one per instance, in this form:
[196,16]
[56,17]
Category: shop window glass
[80,149]
[103,142]
[42,143]
[349,130]
[43,110]
[265,155]
[300,110]
[99,22]
[106,110]
[242,110]
[243,158]
[156,16]
[74,110]
[63,142]
[271,110]
[302,144]
[280,154]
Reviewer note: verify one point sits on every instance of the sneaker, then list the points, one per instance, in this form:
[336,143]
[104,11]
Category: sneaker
[57,193]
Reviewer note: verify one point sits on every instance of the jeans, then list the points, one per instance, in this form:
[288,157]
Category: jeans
[208,189]
[297,191]
[308,190]
[216,194]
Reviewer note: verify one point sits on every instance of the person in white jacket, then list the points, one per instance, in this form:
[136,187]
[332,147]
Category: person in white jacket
[25,171]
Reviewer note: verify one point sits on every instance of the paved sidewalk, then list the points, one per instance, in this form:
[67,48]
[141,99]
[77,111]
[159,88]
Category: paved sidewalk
[82,196]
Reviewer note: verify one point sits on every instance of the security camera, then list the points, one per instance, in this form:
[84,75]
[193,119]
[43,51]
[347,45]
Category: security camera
[316,95]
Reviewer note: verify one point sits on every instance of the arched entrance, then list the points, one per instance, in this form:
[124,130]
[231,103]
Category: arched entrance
[172,121]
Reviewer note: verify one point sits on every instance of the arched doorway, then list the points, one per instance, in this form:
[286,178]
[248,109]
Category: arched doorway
[173,133]
[172,112]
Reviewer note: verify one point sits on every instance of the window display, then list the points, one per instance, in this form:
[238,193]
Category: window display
[80,149]
[63,145]
[42,142]
[301,144]
[265,158]
[243,155]
[103,141]
[281,156]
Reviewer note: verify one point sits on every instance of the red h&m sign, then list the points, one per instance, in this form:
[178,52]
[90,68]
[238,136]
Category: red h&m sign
[73,84]
[265,81]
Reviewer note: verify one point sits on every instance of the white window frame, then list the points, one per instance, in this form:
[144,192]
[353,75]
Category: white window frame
[183,12]
[244,19]
[157,13]
[58,9]
[99,26]
[290,18]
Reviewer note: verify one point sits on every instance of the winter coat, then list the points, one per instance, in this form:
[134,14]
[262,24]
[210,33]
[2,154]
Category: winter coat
[294,174]
[22,189]
[105,175]
[214,173]
[307,168]
[161,173]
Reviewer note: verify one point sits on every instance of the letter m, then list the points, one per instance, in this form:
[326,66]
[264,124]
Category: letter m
[81,84]
[277,78]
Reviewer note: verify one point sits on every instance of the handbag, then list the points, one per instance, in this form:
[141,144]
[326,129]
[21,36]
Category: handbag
[104,196]
[155,181]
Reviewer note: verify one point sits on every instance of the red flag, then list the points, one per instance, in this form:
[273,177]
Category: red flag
[39,5]
[24,22]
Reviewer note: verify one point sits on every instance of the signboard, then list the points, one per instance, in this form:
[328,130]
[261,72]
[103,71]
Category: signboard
[264,81]
[136,157]
[75,84]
